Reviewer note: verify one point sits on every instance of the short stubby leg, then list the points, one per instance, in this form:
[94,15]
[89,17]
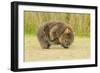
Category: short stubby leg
[43,42]
[46,46]
[64,46]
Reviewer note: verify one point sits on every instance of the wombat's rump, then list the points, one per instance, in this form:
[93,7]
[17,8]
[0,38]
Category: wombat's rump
[55,33]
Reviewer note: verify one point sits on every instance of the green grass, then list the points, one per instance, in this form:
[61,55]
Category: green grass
[80,23]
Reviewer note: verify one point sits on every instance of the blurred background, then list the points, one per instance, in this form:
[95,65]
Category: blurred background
[80,23]
[80,49]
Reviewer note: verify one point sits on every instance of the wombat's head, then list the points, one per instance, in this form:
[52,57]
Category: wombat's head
[66,38]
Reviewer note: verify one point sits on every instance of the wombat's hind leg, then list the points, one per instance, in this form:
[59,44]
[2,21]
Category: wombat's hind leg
[43,42]
[44,45]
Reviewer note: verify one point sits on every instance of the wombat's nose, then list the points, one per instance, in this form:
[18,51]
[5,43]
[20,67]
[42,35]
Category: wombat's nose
[67,42]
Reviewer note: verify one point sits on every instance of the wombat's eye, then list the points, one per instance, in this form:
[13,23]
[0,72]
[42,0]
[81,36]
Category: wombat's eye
[68,34]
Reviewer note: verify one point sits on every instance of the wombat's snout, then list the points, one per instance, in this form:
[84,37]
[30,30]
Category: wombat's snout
[66,38]
[66,42]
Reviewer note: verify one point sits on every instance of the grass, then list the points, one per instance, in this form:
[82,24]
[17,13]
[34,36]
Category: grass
[80,49]
[80,22]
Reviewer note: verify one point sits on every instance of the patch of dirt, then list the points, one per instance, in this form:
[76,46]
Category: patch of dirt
[80,49]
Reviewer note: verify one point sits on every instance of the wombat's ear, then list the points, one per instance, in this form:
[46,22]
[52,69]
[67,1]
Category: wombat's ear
[70,27]
[67,30]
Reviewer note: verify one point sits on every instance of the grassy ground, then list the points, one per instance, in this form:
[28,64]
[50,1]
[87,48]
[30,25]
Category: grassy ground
[80,49]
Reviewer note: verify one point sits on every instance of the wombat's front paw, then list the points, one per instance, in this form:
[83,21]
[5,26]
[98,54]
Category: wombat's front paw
[64,46]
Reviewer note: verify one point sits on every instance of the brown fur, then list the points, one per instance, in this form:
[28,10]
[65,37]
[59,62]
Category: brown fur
[55,33]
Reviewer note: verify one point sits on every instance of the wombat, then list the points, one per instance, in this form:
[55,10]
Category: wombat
[56,33]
